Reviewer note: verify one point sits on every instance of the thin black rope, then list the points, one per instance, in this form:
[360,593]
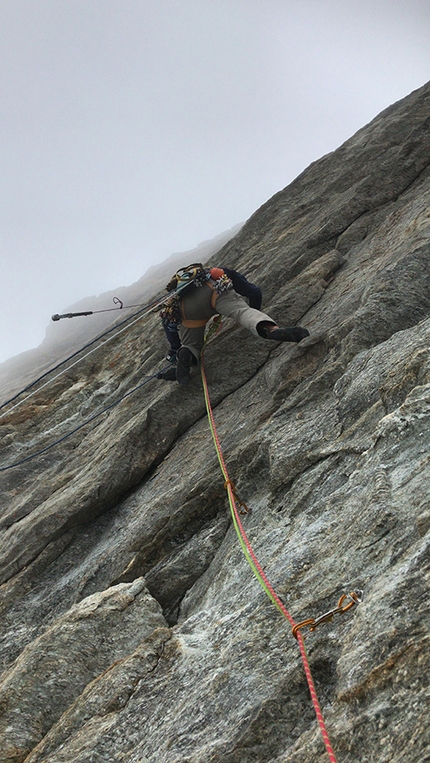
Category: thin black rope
[77,352]
[88,421]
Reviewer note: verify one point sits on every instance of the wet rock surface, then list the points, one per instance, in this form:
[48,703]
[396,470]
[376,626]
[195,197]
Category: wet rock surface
[132,626]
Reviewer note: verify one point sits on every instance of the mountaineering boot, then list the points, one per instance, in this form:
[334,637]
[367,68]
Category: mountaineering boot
[185,359]
[290,334]
[294,334]
[168,375]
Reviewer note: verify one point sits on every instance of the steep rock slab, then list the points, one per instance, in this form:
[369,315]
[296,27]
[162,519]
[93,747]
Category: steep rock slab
[78,481]
[348,187]
[56,667]
[232,643]
[327,442]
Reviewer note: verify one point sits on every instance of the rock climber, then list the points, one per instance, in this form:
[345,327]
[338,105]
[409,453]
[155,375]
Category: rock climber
[240,284]
[199,294]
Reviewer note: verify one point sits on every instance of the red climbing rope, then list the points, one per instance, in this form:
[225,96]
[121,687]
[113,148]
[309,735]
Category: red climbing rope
[257,568]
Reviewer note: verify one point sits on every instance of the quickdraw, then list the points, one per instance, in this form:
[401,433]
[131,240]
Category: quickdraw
[242,507]
[262,578]
[356,597]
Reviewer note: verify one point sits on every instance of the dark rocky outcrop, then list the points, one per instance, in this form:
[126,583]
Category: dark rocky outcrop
[132,627]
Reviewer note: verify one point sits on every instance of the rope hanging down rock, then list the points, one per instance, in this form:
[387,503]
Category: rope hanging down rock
[237,508]
[259,572]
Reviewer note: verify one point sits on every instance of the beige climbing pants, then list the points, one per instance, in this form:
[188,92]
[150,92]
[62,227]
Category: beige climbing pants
[199,305]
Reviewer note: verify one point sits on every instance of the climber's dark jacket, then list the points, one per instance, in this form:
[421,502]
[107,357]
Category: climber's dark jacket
[245,288]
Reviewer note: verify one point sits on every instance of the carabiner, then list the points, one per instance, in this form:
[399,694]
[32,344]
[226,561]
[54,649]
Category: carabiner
[356,598]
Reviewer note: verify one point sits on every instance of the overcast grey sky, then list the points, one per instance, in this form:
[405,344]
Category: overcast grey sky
[132,129]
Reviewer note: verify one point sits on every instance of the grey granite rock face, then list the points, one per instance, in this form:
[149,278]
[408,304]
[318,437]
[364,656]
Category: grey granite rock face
[132,626]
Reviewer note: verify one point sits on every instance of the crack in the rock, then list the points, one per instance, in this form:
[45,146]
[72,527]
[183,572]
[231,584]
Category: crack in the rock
[377,207]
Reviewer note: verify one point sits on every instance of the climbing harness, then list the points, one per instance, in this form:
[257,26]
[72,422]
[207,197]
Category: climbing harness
[192,275]
[84,424]
[259,572]
[125,323]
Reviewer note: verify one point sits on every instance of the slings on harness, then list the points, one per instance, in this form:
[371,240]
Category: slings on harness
[196,275]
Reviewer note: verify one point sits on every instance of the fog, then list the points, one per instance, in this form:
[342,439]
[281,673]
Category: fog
[133,129]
